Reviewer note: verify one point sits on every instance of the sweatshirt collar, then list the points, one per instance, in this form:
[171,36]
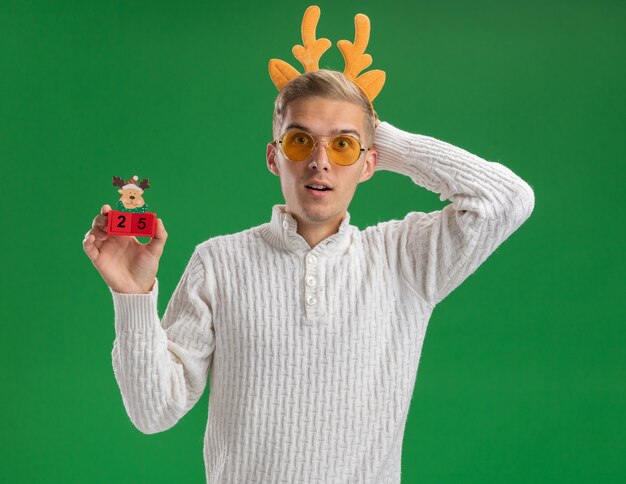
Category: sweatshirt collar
[282,233]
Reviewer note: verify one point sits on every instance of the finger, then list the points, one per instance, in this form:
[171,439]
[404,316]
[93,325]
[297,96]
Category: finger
[89,246]
[160,236]
[99,234]
[97,237]
[100,221]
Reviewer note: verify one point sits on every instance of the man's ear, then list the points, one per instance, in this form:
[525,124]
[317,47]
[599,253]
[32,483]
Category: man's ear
[369,167]
[270,158]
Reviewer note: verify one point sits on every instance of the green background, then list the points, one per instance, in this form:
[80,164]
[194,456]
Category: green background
[523,369]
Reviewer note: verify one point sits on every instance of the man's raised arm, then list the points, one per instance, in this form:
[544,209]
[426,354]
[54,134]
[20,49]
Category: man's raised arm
[437,251]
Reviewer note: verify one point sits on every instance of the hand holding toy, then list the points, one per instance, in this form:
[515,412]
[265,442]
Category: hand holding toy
[125,264]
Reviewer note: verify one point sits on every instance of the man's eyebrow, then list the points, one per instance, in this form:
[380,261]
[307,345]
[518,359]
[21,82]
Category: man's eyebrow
[332,131]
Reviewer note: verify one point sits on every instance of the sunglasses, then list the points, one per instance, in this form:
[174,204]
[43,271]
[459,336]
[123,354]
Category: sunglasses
[298,145]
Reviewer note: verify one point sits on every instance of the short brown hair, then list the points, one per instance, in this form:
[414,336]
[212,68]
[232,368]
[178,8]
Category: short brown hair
[327,84]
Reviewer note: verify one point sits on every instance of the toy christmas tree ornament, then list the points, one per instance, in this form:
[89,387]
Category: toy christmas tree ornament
[131,217]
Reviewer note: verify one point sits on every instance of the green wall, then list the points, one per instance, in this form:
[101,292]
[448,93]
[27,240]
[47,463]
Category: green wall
[523,369]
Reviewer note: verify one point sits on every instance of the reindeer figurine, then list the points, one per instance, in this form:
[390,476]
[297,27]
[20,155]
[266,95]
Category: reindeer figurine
[132,194]
[131,217]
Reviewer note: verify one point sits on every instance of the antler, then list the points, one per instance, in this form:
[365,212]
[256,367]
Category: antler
[356,60]
[354,53]
[144,184]
[118,182]
[309,54]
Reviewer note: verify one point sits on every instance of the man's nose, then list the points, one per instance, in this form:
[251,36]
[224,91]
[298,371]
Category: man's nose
[320,155]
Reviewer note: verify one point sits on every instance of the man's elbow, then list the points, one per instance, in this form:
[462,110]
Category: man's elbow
[154,423]
[152,427]
[516,201]
[524,199]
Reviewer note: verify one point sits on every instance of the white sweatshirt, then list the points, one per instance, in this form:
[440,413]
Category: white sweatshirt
[313,353]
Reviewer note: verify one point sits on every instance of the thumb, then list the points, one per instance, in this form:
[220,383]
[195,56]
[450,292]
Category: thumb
[160,236]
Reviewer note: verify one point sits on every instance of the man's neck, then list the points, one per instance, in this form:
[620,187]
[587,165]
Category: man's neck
[315,232]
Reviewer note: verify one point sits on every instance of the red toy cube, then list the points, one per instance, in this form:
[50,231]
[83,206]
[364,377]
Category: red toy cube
[143,224]
[119,223]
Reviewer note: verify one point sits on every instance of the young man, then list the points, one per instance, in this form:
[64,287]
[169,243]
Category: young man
[311,329]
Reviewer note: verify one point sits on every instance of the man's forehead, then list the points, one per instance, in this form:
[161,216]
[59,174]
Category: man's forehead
[324,117]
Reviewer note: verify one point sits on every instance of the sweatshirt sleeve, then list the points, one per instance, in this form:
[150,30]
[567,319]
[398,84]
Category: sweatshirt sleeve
[161,367]
[437,251]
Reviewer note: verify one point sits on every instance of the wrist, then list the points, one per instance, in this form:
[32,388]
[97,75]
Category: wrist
[134,289]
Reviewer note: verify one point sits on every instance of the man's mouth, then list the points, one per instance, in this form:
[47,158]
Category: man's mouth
[319,188]
[318,192]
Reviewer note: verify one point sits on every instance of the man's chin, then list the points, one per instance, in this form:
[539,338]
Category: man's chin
[318,214]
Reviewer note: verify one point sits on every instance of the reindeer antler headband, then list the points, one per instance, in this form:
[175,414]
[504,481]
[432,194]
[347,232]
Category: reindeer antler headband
[353,53]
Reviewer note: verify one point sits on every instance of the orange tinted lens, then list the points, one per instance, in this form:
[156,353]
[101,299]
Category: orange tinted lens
[344,150]
[297,145]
